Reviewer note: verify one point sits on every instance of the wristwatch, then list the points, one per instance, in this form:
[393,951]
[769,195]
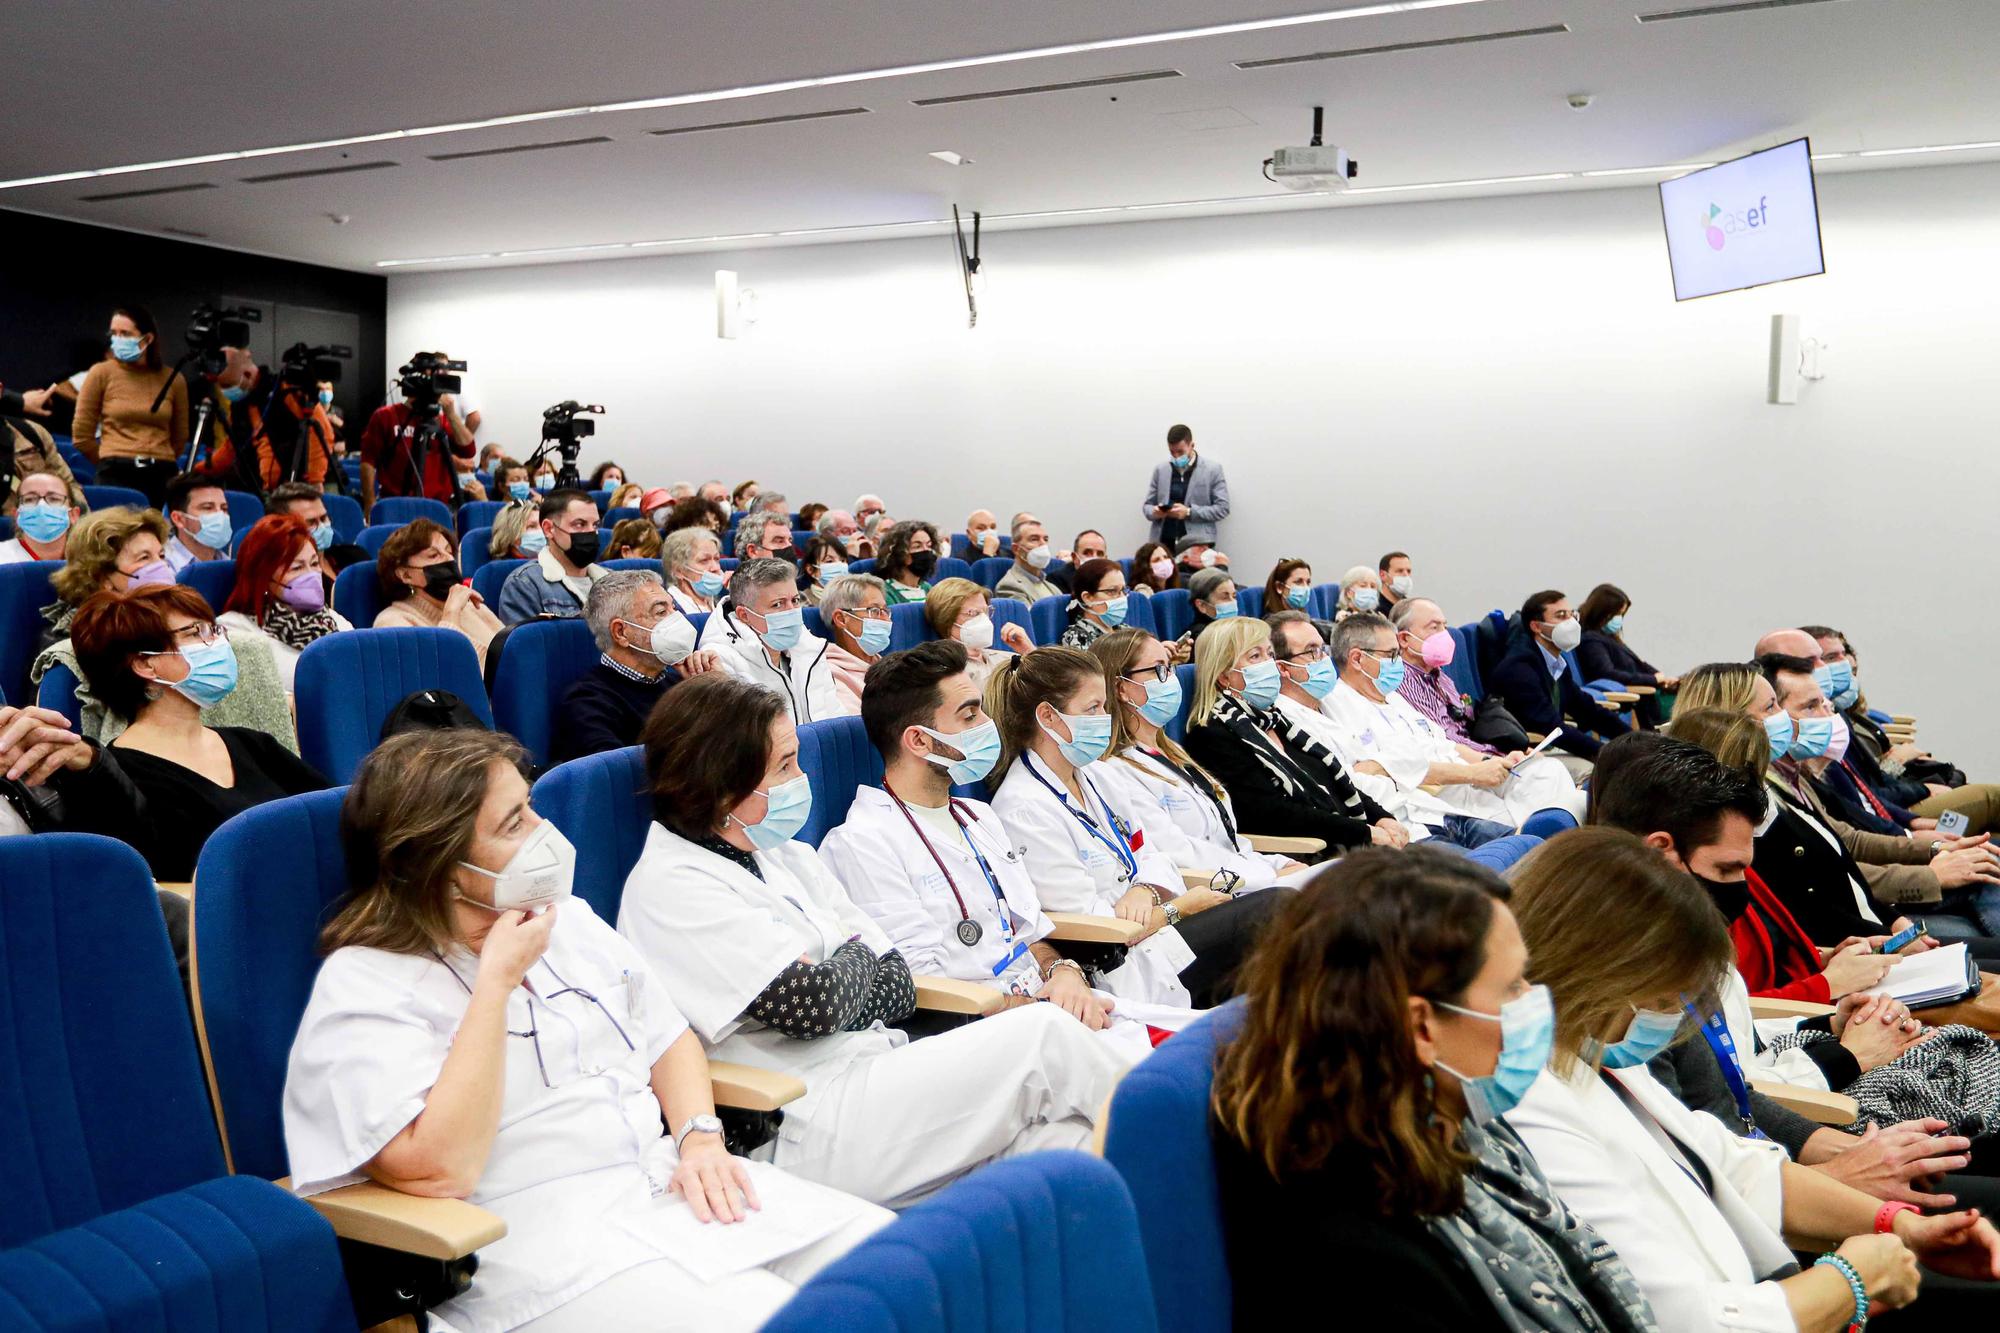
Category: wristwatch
[698,1124]
[1173,913]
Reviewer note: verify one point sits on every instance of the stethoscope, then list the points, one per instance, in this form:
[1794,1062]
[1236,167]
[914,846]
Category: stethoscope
[969,931]
[1129,862]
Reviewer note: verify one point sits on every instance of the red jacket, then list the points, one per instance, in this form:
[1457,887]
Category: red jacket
[1773,952]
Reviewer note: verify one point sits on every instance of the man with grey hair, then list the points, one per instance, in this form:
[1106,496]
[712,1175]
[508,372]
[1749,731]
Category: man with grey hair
[1027,578]
[855,609]
[681,490]
[715,493]
[759,633]
[764,536]
[864,505]
[640,635]
[775,502]
[839,525]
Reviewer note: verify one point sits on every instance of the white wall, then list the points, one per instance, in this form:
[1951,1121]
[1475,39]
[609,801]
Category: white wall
[1505,387]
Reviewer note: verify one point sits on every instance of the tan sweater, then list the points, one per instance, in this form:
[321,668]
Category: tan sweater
[475,622]
[115,416]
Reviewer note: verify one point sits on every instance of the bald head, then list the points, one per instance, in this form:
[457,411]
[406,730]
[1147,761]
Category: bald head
[1789,643]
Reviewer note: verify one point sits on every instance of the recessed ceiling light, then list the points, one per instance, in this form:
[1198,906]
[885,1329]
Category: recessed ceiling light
[1649,171]
[951,159]
[1929,148]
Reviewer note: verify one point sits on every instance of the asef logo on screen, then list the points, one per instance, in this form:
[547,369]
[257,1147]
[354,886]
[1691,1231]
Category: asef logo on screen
[1719,226]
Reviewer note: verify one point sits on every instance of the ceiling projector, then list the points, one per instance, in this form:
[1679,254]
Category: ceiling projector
[1317,166]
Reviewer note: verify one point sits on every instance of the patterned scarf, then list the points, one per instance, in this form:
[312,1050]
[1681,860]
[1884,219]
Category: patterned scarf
[1294,741]
[1544,1268]
[295,628]
[1953,1076]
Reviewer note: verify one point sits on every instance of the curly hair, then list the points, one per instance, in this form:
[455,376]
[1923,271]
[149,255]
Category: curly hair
[892,555]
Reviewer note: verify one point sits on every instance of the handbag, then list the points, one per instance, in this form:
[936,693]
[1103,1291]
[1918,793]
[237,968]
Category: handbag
[1494,725]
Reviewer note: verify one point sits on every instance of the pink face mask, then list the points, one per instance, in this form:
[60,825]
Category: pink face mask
[159,571]
[1439,649]
[305,591]
[1836,748]
[1162,569]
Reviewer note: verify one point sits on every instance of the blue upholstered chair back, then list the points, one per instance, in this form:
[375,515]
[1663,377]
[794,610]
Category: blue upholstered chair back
[1047,617]
[600,803]
[1172,613]
[111,497]
[100,1082]
[490,576]
[1139,613]
[950,567]
[1177,729]
[478,514]
[1047,1242]
[474,549]
[1325,600]
[244,510]
[345,513]
[357,594]
[987,571]
[213,579]
[532,665]
[1158,1140]
[373,536]
[58,691]
[396,510]
[907,626]
[1250,602]
[347,684]
[1464,668]
[1010,611]
[24,591]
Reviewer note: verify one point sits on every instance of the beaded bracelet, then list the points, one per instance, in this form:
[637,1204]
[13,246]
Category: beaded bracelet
[1854,1283]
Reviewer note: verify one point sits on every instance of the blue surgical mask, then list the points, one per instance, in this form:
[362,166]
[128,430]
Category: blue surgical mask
[1113,613]
[326,398]
[1226,610]
[1366,599]
[213,530]
[831,570]
[534,541]
[1815,734]
[1779,732]
[873,638]
[1527,1032]
[1320,678]
[1183,462]
[235,393]
[1389,676]
[211,672]
[1836,682]
[782,630]
[322,534]
[1298,598]
[1615,625]
[1261,682]
[44,520]
[709,585]
[1163,700]
[519,491]
[787,807]
[1651,1032]
[124,348]
[1090,737]
[979,745]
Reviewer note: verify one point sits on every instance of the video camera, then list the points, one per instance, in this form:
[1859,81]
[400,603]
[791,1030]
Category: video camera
[304,366]
[210,332]
[427,376]
[562,430]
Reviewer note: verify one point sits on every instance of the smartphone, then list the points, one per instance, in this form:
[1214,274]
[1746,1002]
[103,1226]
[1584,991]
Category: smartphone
[1902,939]
[1953,824]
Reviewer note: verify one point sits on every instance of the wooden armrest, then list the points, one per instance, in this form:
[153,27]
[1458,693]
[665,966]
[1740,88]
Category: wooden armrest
[1083,928]
[748,1088]
[185,888]
[1273,842]
[1434,788]
[1197,879]
[1761,1007]
[1642,689]
[950,996]
[434,1228]
[1620,697]
[1828,1108]
[1538,736]
[1902,719]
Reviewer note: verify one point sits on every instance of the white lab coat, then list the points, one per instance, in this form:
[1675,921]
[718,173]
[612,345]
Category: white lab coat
[1184,822]
[1411,806]
[1407,743]
[1699,1259]
[575,1170]
[806,682]
[687,602]
[1793,1066]
[881,1118]
[1074,871]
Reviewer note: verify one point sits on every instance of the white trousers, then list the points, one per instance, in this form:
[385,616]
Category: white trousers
[898,1126]
[661,1295]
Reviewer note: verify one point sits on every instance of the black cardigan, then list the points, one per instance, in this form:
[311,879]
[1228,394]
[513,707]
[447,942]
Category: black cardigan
[1302,792]
[1604,657]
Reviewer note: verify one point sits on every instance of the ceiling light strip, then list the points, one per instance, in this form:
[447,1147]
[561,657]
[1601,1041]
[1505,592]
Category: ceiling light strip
[1383,7]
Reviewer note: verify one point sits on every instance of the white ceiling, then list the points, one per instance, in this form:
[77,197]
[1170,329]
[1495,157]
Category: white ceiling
[202,76]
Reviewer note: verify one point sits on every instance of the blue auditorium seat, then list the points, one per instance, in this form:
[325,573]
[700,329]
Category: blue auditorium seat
[801,537]
[949,567]
[357,594]
[646,562]
[24,591]
[473,550]
[1177,729]
[1172,613]
[613,517]
[57,690]
[961,549]
[6,527]
[998,1252]
[907,626]
[111,497]
[865,565]
[1047,617]
[114,1208]
[372,537]
[396,510]
[346,685]
[478,514]
[491,574]
[213,579]
[988,572]
[602,499]
[1139,612]
[1464,668]
[80,466]
[1325,600]
[244,510]
[532,664]
[600,802]
[1250,602]
[346,515]
[1010,611]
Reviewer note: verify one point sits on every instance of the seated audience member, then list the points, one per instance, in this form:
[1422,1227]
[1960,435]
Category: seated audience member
[1152,569]
[157,661]
[758,633]
[840,526]
[641,639]
[1381,729]
[1424,636]
[715,493]
[122,423]
[1540,686]
[606,476]
[1090,854]
[752,937]
[762,536]
[691,559]
[1194,554]
[635,539]
[696,513]
[960,610]
[740,499]
[1027,578]
[420,576]
[306,503]
[511,483]
[34,450]
[1395,580]
[867,506]
[1187,811]
[657,503]
[855,611]
[554,585]
[772,502]
[404,1072]
[809,516]
[1089,545]
[490,456]
[115,549]
[280,593]
[1603,654]
[1289,588]
[517,533]
[1282,781]
[906,557]
[825,560]
[1700,1216]
[629,495]
[1098,602]
[1355,1112]
[198,512]
[1360,590]
[874,531]
[1212,595]
[937,872]
[982,535]
[42,520]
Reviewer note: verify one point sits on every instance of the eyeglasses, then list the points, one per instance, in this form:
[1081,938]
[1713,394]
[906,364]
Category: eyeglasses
[1311,654]
[206,632]
[1159,673]
[1380,652]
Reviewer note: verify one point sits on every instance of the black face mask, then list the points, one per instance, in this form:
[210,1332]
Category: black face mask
[439,580]
[582,548]
[1732,900]
[923,563]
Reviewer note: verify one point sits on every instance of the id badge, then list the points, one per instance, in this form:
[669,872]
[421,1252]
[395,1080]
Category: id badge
[1167,945]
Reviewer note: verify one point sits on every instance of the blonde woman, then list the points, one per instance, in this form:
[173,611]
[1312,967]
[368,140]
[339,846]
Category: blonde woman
[627,496]
[35,451]
[516,534]
[962,611]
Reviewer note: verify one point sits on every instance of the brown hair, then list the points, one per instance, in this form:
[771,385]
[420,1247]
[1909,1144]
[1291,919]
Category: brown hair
[113,628]
[638,532]
[1605,601]
[1023,684]
[91,555]
[708,745]
[1142,567]
[1729,686]
[1324,1070]
[1115,652]
[411,539]
[407,822]
[1610,923]
[695,512]
[1735,739]
[1274,587]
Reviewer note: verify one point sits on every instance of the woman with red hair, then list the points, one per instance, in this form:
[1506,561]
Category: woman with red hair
[280,591]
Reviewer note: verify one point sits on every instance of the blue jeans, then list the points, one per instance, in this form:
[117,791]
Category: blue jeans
[1466,831]
[1965,914]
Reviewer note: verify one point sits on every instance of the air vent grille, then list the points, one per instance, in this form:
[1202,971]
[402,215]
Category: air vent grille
[518,148]
[764,120]
[1715,11]
[310,172]
[1549,30]
[1108,81]
[146,193]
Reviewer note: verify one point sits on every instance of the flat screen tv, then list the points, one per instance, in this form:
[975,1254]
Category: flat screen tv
[1743,223]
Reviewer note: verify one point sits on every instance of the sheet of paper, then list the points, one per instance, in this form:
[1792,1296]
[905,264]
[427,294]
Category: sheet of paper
[796,1213]
[1936,974]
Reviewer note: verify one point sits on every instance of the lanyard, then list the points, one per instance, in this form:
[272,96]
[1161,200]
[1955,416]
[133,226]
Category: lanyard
[1190,780]
[969,930]
[1716,1033]
[1115,844]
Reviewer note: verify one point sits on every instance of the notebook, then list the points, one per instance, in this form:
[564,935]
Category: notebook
[1935,976]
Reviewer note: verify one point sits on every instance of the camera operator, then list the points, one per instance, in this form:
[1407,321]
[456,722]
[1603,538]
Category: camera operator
[414,447]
